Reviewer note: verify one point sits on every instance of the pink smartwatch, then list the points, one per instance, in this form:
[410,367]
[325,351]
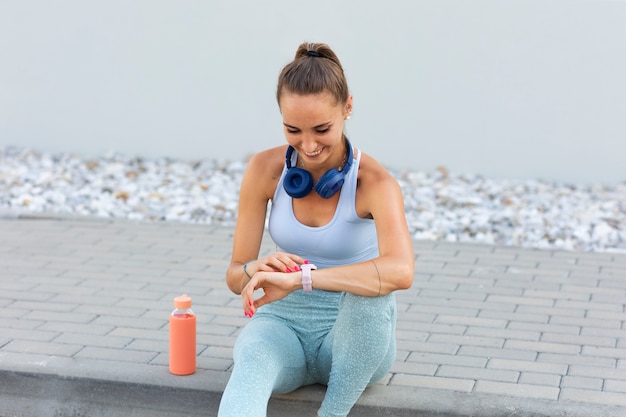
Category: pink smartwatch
[307,282]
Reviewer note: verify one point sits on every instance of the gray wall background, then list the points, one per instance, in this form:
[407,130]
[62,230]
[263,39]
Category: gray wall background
[502,88]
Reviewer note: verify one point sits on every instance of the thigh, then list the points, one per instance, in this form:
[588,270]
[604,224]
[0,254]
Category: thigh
[269,350]
[365,332]
[268,359]
[358,351]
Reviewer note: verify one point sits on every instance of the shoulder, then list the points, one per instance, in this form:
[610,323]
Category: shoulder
[269,162]
[378,193]
[372,174]
[264,169]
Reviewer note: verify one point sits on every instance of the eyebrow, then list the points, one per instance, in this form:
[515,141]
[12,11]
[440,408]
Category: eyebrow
[314,127]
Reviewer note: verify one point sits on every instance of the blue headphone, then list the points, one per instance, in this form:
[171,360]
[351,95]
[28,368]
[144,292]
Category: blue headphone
[298,182]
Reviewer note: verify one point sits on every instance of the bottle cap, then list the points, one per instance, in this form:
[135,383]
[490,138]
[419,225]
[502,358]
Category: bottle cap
[183,302]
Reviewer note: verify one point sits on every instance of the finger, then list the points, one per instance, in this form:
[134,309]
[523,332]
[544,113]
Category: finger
[287,262]
[297,259]
[267,268]
[260,302]
[272,263]
[294,262]
[247,299]
[246,304]
[250,312]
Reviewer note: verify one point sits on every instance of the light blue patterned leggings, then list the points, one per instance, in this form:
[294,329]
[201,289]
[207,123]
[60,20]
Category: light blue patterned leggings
[273,355]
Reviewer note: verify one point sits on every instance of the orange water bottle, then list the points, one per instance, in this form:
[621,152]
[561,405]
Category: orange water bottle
[182,337]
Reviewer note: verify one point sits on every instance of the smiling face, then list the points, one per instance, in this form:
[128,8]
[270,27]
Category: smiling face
[313,126]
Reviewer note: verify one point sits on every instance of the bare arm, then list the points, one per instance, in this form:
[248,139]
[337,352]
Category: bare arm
[257,188]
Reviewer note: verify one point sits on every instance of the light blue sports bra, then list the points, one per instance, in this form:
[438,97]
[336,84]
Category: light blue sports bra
[346,239]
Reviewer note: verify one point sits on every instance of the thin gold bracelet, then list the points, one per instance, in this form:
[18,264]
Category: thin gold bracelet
[377,273]
[244,269]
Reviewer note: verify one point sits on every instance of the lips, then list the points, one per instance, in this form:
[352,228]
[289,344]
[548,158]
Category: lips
[313,154]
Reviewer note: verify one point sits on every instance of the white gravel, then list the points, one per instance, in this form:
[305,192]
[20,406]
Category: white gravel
[439,205]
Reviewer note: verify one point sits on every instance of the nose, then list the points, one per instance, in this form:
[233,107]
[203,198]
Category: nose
[309,144]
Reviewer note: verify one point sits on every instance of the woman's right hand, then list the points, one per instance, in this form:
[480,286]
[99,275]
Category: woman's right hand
[275,286]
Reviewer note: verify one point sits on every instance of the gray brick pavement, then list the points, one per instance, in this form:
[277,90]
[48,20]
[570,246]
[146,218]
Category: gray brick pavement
[509,328]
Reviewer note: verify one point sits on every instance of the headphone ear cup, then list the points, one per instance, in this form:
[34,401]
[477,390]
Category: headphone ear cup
[330,183]
[298,182]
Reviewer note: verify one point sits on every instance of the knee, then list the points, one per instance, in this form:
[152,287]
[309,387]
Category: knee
[270,366]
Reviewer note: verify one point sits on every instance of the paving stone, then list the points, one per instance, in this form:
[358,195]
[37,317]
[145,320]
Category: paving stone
[518,389]
[112,354]
[449,371]
[533,378]
[527,366]
[585,383]
[421,381]
[489,353]
[542,347]
[42,348]
[593,396]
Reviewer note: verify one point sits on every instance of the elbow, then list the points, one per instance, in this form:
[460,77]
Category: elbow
[234,289]
[233,284]
[405,275]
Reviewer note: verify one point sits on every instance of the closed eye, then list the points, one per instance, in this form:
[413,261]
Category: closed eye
[320,129]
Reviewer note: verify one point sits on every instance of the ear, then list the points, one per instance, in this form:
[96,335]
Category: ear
[348,107]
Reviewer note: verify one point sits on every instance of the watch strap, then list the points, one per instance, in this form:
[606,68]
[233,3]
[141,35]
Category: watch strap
[307,281]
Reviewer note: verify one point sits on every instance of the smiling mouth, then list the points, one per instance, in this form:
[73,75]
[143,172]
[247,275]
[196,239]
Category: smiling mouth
[313,154]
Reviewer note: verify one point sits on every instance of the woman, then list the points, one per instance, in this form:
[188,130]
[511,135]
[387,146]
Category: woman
[327,314]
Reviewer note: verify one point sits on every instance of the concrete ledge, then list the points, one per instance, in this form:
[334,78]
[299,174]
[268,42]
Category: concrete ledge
[52,386]
[25,394]
[37,395]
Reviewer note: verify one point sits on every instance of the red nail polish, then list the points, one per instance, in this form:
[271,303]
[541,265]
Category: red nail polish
[250,303]
[288,270]
[297,268]
[306,261]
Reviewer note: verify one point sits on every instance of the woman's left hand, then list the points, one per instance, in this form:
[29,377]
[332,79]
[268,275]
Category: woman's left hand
[275,286]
